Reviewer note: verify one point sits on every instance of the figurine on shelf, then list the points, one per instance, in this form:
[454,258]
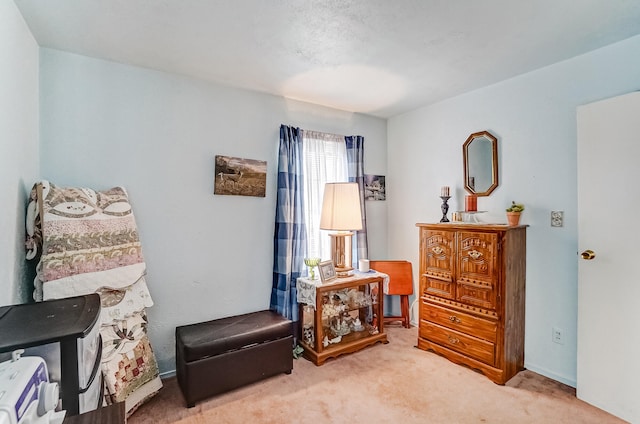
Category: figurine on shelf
[374,294]
[357,325]
[340,327]
[374,325]
[336,339]
[357,298]
[344,327]
[307,335]
[343,296]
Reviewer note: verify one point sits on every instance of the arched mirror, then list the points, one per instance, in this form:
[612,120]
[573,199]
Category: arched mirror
[480,156]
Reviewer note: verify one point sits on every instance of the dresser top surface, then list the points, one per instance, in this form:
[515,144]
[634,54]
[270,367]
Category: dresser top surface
[469,226]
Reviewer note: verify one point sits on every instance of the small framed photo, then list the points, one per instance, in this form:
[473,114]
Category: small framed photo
[327,271]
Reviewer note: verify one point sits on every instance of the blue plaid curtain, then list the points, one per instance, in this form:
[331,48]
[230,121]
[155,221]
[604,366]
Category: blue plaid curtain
[355,158]
[290,241]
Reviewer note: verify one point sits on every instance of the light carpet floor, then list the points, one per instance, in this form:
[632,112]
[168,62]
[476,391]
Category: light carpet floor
[384,383]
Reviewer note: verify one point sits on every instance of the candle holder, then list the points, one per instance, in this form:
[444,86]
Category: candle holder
[470,203]
[445,208]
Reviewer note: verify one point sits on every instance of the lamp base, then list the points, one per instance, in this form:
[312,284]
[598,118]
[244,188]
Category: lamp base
[344,272]
[341,253]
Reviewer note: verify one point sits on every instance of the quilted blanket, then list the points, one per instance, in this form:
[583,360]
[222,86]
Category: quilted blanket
[87,242]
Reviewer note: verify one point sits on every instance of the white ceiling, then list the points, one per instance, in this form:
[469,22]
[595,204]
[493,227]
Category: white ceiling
[379,57]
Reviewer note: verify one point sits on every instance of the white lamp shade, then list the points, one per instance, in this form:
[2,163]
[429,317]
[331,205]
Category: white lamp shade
[341,207]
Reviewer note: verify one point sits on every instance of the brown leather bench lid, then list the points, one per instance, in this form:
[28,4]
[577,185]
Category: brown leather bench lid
[198,341]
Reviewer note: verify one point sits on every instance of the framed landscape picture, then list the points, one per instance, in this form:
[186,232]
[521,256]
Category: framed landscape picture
[240,177]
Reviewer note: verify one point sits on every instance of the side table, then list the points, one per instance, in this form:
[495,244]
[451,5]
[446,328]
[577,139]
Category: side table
[341,316]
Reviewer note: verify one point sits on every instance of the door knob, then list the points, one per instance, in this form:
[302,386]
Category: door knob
[587,255]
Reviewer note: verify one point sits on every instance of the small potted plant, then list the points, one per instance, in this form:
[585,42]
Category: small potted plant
[513,213]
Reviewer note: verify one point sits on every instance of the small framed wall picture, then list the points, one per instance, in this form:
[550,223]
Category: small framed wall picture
[375,187]
[327,271]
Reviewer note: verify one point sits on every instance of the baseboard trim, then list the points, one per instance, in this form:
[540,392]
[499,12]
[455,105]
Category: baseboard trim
[554,376]
[167,374]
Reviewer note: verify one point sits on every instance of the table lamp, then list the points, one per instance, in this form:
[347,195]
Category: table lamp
[341,213]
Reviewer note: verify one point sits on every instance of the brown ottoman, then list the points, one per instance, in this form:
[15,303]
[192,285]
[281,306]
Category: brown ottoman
[217,356]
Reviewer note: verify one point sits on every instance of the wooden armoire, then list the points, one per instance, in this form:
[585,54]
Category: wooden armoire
[472,295]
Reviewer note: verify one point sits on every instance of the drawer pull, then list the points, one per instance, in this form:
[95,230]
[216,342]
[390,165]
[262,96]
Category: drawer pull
[454,319]
[453,340]
[437,250]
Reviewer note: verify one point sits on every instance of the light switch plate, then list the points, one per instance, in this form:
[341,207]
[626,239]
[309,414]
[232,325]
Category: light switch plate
[557,218]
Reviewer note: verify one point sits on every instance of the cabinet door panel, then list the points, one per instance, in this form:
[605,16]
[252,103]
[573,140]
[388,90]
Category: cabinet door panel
[438,248]
[477,274]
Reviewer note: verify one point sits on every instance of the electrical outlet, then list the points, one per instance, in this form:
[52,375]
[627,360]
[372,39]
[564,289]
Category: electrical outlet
[557,335]
[557,218]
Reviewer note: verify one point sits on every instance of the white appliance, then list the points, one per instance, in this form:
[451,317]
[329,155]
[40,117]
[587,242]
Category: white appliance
[26,395]
[88,354]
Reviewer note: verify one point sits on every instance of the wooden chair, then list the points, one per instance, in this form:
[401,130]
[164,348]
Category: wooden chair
[400,283]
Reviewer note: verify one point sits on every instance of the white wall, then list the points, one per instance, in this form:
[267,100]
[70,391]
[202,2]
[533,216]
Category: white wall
[534,118]
[18,147]
[105,124]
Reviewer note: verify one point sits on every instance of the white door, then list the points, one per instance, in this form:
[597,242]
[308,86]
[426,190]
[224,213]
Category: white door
[608,362]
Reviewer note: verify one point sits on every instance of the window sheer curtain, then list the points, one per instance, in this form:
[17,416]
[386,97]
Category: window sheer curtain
[325,161]
[308,160]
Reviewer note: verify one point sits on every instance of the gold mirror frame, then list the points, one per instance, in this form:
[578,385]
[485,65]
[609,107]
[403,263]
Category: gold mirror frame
[480,165]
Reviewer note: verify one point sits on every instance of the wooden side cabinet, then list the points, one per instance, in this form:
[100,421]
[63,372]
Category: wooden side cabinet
[472,295]
[340,316]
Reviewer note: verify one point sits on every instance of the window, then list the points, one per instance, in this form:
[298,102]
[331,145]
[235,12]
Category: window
[324,161]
